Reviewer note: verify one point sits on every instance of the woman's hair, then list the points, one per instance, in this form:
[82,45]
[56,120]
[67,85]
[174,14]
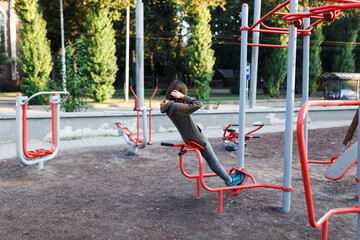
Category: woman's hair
[175,85]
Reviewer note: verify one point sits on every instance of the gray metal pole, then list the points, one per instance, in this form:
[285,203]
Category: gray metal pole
[63,67]
[140,52]
[305,87]
[126,87]
[242,92]
[254,56]
[289,108]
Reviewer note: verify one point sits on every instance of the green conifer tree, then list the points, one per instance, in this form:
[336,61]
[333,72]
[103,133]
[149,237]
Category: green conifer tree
[101,50]
[201,56]
[276,67]
[315,67]
[34,53]
[347,28]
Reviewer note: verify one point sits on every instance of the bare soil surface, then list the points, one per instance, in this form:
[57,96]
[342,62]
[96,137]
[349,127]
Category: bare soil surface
[104,193]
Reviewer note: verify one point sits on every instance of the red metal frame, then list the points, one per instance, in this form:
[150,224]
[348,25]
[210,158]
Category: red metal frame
[138,141]
[323,13]
[268,29]
[233,135]
[304,165]
[39,152]
[152,96]
[194,147]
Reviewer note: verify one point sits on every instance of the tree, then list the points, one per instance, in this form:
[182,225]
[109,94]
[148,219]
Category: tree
[201,56]
[315,63]
[3,56]
[344,58]
[75,13]
[101,50]
[163,41]
[276,58]
[225,26]
[342,35]
[35,53]
[76,68]
[276,67]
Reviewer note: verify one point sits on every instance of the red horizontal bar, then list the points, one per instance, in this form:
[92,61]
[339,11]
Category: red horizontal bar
[270,31]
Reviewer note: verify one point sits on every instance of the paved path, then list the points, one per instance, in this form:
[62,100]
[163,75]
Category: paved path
[8,149]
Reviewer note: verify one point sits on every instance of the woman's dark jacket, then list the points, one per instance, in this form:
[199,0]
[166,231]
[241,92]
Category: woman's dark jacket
[180,114]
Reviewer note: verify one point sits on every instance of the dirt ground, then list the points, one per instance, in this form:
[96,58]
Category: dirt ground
[103,193]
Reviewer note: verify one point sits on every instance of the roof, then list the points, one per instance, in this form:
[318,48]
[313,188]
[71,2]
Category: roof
[339,76]
[227,73]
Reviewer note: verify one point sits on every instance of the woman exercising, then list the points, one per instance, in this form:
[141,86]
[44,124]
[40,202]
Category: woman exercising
[179,107]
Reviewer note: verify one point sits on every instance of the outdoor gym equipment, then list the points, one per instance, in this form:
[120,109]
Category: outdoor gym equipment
[245,29]
[230,136]
[351,131]
[305,172]
[38,156]
[137,142]
[189,146]
[342,164]
[295,21]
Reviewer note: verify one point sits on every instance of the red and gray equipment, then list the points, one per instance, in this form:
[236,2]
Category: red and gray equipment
[137,142]
[38,156]
[230,136]
[189,146]
[337,167]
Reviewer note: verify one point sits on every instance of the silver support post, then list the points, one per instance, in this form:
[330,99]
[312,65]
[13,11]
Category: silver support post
[63,67]
[305,87]
[289,108]
[126,87]
[140,52]
[242,92]
[358,183]
[254,56]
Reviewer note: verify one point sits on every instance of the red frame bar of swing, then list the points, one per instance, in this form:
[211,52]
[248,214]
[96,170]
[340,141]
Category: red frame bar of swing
[304,164]
[269,29]
[138,142]
[152,96]
[231,136]
[53,133]
[200,177]
[137,117]
[323,9]
[313,13]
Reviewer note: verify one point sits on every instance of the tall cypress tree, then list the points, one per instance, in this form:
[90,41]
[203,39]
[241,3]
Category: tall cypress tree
[35,54]
[101,50]
[315,67]
[276,67]
[201,56]
[276,58]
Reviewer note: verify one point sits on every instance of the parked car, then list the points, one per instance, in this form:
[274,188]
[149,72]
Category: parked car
[345,94]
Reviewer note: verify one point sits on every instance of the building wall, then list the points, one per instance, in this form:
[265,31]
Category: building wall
[11,28]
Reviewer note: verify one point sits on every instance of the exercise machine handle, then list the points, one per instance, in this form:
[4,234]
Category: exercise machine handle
[182,152]
[167,144]
[48,93]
